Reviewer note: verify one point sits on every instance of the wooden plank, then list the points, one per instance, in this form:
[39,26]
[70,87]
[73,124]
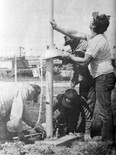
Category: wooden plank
[27,136]
[65,140]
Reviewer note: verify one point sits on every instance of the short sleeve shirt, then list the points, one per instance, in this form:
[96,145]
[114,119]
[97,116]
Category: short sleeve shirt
[99,49]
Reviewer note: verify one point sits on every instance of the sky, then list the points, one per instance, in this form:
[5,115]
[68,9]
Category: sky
[23,23]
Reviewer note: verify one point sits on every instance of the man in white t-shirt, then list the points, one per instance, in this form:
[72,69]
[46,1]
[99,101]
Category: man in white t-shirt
[99,50]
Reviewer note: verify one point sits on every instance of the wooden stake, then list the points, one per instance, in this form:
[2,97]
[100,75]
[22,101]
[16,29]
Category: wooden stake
[15,61]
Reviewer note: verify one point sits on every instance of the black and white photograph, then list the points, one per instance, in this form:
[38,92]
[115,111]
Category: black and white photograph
[57,77]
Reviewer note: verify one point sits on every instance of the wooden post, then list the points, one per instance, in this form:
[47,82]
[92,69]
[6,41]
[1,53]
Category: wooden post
[49,72]
[15,67]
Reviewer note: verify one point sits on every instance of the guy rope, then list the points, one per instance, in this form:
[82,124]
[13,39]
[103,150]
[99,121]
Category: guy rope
[41,79]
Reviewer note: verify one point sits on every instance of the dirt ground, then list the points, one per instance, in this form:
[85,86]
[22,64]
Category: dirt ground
[17,147]
[77,148]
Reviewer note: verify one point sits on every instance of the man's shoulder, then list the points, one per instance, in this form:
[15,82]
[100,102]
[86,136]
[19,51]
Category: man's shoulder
[98,37]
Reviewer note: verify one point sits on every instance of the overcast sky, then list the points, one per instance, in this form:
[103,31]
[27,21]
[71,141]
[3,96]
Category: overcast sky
[23,23]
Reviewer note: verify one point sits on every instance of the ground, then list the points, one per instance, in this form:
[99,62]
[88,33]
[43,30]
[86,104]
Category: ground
[18,147]
[80,148]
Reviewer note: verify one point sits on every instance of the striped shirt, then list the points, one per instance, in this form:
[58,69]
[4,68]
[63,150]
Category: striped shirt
[87,115]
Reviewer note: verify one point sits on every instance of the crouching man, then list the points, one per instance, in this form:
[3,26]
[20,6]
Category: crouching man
[13,107]
[68,108]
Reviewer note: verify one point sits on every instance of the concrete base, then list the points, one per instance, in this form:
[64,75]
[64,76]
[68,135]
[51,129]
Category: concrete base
[65,140]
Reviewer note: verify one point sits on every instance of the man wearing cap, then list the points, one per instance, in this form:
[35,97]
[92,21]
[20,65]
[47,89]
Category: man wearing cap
[14,107]
[78,48]
[67,109]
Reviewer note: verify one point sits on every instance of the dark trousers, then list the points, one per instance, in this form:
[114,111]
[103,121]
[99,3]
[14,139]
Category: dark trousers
[103,112]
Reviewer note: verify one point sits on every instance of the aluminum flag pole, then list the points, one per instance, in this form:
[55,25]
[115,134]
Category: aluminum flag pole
[49,71]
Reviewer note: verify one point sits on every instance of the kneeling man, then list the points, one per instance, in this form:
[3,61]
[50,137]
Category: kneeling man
[68,107]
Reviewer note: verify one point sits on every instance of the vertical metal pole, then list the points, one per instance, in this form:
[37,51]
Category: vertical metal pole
[49,73]
[112,29]
[15,61]
[114,52]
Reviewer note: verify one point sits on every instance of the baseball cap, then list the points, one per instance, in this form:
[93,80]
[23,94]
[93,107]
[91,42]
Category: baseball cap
[69,96]
[67,40]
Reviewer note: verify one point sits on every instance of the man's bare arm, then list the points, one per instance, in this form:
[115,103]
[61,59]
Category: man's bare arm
[68,32]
